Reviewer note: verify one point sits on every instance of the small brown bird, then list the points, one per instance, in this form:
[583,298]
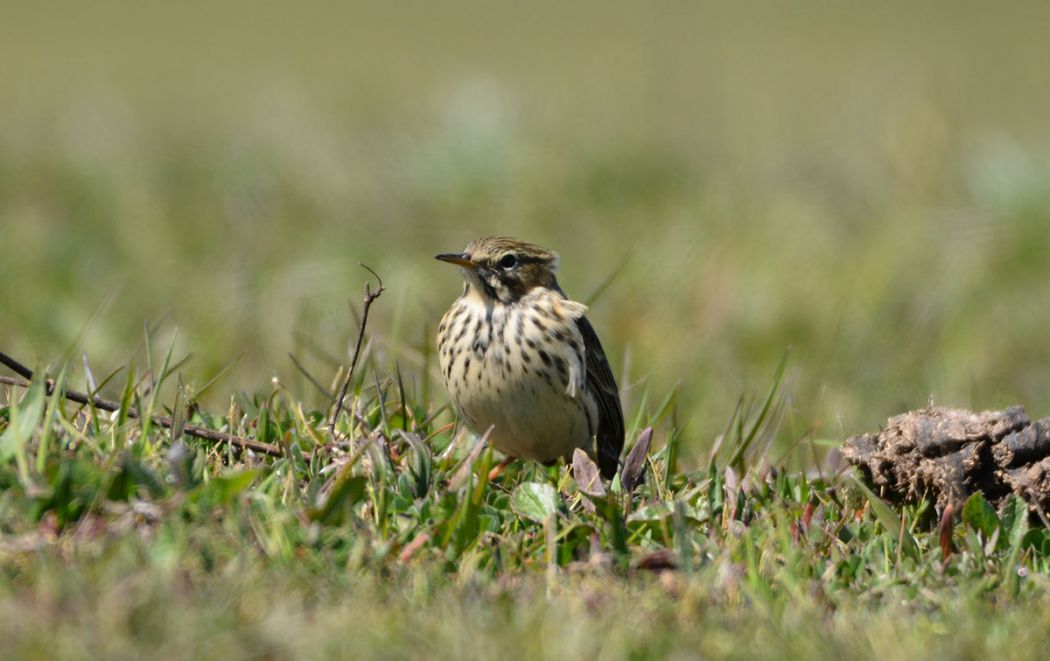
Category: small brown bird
[518,356]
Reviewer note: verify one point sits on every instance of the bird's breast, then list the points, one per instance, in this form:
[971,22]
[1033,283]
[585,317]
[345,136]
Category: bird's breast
[518,368]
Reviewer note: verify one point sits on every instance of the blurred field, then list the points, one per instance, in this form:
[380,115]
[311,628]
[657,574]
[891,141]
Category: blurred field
[869,187]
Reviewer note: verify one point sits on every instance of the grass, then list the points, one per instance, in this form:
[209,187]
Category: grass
[186,195]
[118,541]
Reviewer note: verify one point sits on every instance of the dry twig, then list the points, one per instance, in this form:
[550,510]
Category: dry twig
[111,406]
[370,296]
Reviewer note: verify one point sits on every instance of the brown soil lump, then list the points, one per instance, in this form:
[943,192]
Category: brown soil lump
[948,454]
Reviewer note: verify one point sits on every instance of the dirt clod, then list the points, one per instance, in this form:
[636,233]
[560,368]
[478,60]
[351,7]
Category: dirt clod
[948,454]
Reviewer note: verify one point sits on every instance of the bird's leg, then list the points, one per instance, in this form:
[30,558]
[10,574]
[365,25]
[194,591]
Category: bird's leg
[500,467]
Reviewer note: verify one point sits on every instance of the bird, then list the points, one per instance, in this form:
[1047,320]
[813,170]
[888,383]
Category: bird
[520,358]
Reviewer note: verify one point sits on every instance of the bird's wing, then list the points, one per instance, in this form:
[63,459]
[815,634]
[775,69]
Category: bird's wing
[602,384]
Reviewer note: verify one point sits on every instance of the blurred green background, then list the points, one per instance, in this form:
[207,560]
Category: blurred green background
[868,186]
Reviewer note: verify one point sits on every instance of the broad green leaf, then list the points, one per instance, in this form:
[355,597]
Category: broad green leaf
[233,484]
[1037,539]
[535,501]
[980,516]
[1015,521]
[348,489]
[653,512]
[222,490]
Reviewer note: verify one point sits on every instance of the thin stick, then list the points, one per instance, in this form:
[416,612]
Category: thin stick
[111,406]
[16,367]
[370,296]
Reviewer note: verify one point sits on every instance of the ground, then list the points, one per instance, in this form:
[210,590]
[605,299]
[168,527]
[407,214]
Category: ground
[115,541]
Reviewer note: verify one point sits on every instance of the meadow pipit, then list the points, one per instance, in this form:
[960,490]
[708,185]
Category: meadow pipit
[518,356]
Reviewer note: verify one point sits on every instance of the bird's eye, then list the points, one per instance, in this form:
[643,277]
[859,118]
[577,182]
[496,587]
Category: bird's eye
[509,261]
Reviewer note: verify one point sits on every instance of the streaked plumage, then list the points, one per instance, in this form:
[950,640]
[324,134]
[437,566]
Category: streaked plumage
[518,355]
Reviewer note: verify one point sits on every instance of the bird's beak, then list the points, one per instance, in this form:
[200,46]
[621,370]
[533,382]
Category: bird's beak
[459,259]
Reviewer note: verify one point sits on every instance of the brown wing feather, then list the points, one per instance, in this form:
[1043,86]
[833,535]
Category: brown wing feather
[602,384]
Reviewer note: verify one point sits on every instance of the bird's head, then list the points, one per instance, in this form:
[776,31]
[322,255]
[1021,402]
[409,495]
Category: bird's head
[502,269]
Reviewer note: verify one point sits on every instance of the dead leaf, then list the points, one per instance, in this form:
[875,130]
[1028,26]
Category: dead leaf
[585,472]
[947,525]
[633,472]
